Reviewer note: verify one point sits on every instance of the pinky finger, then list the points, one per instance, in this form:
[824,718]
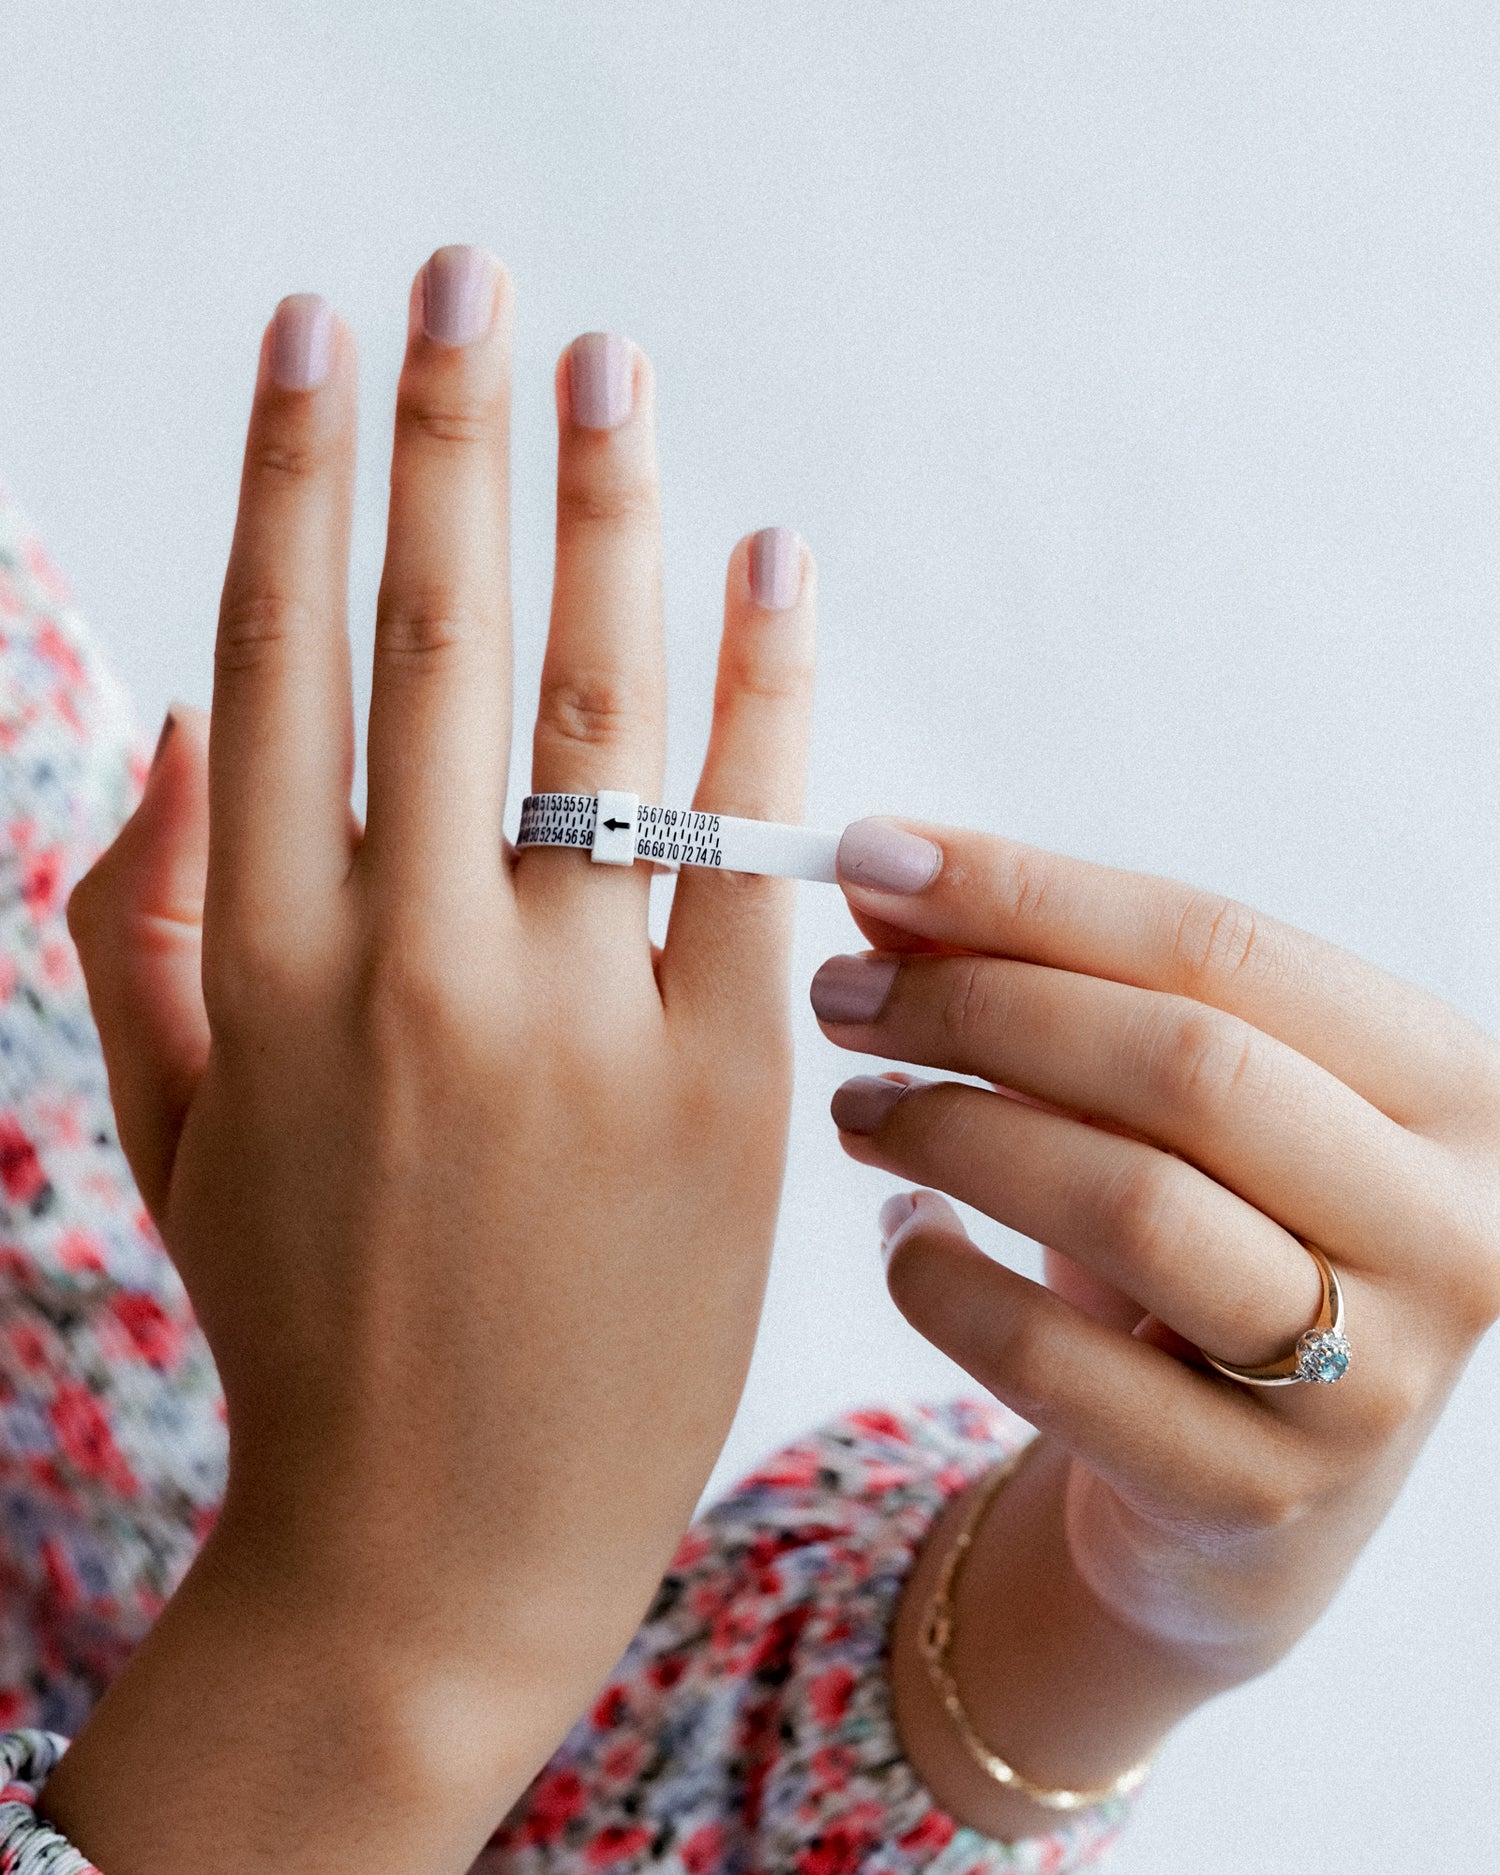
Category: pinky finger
[1171,1441]
[729,933]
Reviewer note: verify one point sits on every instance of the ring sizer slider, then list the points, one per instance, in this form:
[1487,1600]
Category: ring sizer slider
[616,829]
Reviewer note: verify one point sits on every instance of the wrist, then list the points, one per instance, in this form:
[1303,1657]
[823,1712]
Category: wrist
[1049,1678]
[251,1730]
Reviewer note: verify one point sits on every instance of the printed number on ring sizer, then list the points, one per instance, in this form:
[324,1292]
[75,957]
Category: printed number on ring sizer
[617,829]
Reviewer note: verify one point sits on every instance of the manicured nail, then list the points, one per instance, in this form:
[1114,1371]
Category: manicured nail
[860,1105]
[889,859]
[169,723]
[897,1210]
[913,1210]
[301,342]
[458,295]
[601,380]
[775,567]
[852,989]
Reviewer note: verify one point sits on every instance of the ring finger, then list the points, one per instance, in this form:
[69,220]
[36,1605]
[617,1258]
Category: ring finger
[1212,1267]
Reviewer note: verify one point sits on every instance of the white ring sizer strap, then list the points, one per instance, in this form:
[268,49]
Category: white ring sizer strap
[617,830]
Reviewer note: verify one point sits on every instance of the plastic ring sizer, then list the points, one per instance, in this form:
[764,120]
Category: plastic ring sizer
[616,830]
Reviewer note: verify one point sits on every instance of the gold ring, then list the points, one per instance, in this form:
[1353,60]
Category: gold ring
[1322,1353]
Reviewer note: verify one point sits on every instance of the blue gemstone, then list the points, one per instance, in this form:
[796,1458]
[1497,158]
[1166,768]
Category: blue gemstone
[1323,1358]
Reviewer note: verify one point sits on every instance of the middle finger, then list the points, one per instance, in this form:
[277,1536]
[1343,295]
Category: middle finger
[1253,1114]
[601,718]
[440,704]
[1180,1246]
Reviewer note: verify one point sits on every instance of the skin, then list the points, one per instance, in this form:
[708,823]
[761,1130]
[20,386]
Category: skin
[472,1189]
[1180,1090]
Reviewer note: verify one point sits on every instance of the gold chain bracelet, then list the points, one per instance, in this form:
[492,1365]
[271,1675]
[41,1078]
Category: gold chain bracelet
[937,1642]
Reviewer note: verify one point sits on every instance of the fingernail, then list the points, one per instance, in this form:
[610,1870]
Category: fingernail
[860,1105]
[601,380]
[301,342]
[775,567]
[912,1210]
[458,295]
[896,1211]
[874,853]
[169,723]
[852,989]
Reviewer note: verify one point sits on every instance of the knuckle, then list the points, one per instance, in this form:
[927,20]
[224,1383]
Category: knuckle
[1026,1354]
[422,628]
[256,629]
[1140,1201]
[743,673]
[1025,885]
[284,452]
[1201,1059]
[1487,1076]
[968,1008]
[86,903]
[402,997]
[1474,1262]
[250,980]
[1266,1492]
[1216,940]
[1482,1291]
[419,987]
[760,900]
[448,423]
[609,501]
[1390,1409]
[593,709]
[1479,1305]
[404,979]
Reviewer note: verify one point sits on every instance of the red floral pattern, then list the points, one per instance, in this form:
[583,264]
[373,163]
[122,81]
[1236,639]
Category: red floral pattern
[748,1730]
[112,1441]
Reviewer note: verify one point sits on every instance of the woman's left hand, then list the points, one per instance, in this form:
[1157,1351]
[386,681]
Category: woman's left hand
[1183,1093]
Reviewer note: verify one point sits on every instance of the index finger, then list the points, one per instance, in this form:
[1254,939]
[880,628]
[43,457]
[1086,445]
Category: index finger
[1407,1053]
[281,746]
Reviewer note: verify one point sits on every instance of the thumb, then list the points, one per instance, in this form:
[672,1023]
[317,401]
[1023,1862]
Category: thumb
[137,919]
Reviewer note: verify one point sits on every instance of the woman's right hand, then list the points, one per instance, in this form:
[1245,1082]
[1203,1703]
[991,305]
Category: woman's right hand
[471,1189]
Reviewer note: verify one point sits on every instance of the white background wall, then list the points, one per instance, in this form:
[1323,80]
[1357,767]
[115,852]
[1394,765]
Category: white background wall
[1132,371]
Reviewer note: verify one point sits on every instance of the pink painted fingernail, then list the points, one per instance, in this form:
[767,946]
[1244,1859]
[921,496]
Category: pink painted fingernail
[861,1105]
[601,380]
[909,1211]
[775,568]
[897,1210]
[458,295]
[852,989]
[301,342]
[889,859]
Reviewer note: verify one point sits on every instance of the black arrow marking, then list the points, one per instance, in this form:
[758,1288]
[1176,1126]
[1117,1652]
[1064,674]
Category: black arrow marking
[617,826]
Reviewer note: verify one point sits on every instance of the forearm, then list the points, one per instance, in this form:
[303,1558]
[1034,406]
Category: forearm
[1064,1690]
[244,1737]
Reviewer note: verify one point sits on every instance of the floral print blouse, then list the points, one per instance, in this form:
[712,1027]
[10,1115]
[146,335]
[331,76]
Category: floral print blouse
[747,1730]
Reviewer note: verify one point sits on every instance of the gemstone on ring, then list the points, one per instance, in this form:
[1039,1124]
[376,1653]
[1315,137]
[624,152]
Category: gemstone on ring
[1323,1356]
